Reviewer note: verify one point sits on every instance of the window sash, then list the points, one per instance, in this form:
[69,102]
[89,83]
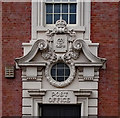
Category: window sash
[66,15]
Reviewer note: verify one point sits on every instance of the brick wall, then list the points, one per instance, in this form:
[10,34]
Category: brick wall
[0,59]
[16,27]
[104,30]
[119,58]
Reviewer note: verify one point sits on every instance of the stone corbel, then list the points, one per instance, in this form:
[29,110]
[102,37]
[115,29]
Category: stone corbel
[82,93]
[37,92]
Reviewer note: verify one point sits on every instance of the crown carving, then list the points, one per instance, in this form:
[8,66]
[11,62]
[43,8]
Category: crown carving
[61,28]
[61,23]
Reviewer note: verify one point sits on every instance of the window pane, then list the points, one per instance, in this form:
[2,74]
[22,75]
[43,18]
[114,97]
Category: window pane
[60,79]
[67,72]
[60,72]
[56,17]
[64,8]
[72,18]
[72,8]
[66,67]
[65,0]
[57,8]
[49,8]
[49,18]
[72,0]
[65,17]
[53,72]
[57,0]
[54,67]
[48,0]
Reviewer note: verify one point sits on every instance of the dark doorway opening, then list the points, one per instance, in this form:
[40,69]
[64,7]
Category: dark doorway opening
[60,111]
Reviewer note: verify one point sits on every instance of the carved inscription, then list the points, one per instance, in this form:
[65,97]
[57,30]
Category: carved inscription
[59,97]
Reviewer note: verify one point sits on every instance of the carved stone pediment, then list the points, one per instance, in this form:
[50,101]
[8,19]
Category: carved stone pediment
[72,52]
[61,46]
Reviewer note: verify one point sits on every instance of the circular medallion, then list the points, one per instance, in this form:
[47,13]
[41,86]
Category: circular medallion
[60,74]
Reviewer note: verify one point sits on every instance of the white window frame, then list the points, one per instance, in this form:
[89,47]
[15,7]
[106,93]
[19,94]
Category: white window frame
[82,18]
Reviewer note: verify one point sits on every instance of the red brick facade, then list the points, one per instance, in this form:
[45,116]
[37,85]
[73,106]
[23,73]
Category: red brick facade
[104,30]
[0,59]
[16,29]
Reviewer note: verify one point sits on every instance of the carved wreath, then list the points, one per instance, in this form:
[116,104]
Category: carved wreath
[56,83]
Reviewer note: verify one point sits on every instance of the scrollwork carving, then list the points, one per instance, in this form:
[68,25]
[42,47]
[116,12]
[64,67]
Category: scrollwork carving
[77,45]
[42,44]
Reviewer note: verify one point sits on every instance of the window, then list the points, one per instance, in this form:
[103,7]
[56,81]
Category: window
[55,10]
[60,72]
[75,12]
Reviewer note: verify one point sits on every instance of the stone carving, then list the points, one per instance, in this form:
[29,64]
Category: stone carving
[74,50]
[42,44]
[61,27]
[71,55]
[77,45]
[68,57]
[60,43]
[63,83]
[47,54]
[59,97]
